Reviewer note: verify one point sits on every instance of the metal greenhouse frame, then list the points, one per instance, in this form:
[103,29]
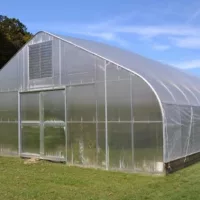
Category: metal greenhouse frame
[87,103]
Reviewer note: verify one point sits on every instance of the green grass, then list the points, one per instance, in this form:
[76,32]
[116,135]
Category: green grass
[45,180]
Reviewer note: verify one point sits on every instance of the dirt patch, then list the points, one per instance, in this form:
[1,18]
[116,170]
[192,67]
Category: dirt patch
[31,161]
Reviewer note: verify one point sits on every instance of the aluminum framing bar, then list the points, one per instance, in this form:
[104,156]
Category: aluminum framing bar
[66,127]
[19,126]
[106,116]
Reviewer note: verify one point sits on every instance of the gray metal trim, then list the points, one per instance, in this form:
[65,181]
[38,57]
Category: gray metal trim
[106,117]
[41,111]
[19,126]
[66,126]
[132,123]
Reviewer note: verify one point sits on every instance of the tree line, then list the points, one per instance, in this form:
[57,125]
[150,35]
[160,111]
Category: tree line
[13,35]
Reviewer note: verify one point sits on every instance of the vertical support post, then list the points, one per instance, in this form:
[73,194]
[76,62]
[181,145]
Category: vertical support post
[23,67]
[96,116]
[65,93]
[41,109]
[59,52]
[19,126]
[132,123]
[27,64]
[106,117]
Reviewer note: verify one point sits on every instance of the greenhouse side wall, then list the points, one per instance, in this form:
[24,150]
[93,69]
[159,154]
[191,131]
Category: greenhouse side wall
[182,135]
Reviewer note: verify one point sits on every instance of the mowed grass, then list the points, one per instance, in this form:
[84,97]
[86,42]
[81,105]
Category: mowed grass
[46,180]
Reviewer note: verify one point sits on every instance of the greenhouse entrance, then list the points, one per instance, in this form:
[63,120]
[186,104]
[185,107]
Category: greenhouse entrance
[43,124]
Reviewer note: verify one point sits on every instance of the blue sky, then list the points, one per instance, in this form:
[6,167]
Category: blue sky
[167,30]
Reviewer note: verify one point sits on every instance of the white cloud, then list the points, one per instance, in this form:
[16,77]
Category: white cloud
[153,31]
[103,35]
[188,64]
[187,42]
[180,35]
[160,47]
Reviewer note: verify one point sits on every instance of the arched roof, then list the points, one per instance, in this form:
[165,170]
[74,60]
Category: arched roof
[172,85]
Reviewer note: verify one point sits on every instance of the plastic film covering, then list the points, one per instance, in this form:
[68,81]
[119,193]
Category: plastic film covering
[8,123]
[119,110]
[135,139]
[148,147]
[8,138]
[30,139]
[178,92]
[86,124]
[53,106]
[54,142]
[30,107]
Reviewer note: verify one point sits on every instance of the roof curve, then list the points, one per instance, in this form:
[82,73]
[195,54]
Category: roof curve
[173,86]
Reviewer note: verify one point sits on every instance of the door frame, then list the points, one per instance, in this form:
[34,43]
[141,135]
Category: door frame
[40,123]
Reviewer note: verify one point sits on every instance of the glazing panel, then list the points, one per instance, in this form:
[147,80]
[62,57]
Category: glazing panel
[8,106]
[177,93]
[100,145]
[31,139]
[163,92]
[148,147]
[120,146]
[81,146]
[100,70]
[54,105]
[173,135]
[119,100]
[30,106]
[78,66]
[115,72]
[54,142]
[100,101]
[190,95]
[186,129]
[145,104]
[81,103]
[8,138]
[196,129]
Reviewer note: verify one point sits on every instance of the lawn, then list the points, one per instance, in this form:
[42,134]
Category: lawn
[46,180]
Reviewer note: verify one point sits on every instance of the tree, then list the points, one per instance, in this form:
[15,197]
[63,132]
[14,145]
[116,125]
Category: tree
[13,35]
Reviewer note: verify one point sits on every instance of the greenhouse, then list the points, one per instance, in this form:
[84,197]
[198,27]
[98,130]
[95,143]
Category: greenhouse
[90,104]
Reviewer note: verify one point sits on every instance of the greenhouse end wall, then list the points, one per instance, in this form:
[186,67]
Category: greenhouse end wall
[71,124]
[89,111]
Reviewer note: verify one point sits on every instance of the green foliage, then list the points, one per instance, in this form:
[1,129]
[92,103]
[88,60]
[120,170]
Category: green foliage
[45,180]
[13,35]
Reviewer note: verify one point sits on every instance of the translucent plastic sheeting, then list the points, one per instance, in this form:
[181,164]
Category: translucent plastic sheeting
[29,107]
[8,138]
[81,103]
[120,144]
[186,113]
[154,72]
[196,129]
[182,131]
[148,147]
[53,105]
[78,66]
[8,106]
[172,137]
[31,139]
[119,103]
[145,105]
[54,142]
[86,144]
[115,73]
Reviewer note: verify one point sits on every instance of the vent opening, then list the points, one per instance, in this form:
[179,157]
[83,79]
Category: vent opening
[40,60]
